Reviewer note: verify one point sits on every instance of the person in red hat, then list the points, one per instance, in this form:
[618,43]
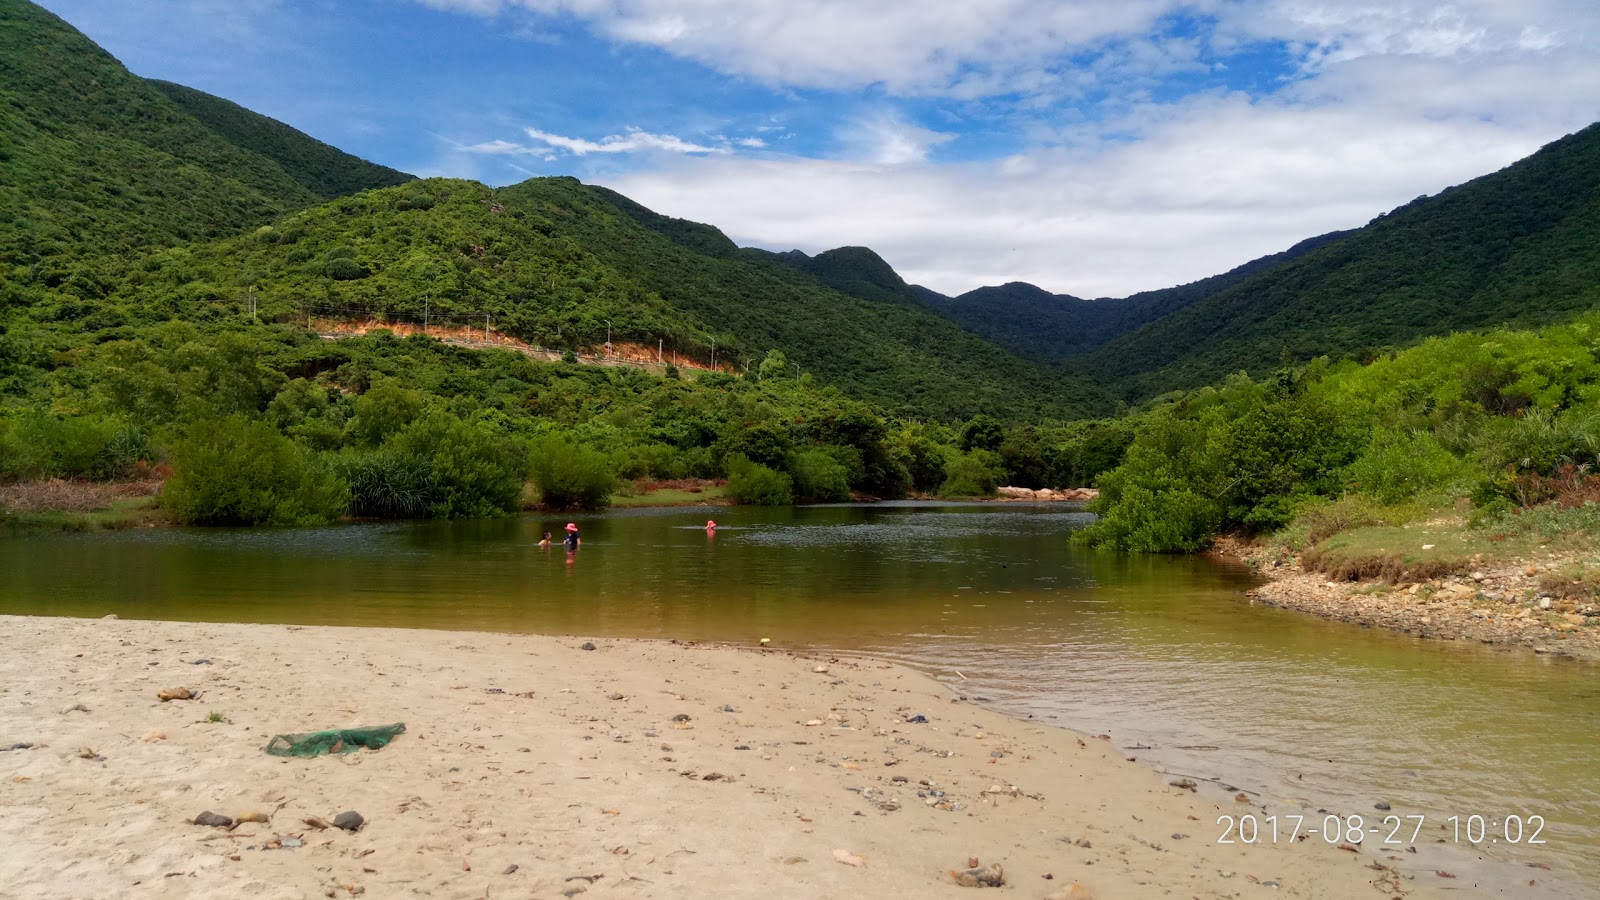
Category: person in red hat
[711,524]
[572,539]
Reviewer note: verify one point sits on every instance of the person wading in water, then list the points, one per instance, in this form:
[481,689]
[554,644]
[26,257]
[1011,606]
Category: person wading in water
[572,540]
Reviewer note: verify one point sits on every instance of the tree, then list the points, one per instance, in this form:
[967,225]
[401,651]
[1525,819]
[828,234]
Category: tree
[775,365]
[983,432]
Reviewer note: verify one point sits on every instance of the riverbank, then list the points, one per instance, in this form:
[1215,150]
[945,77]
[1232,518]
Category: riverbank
[61,505]
[1514,600]
[532,767]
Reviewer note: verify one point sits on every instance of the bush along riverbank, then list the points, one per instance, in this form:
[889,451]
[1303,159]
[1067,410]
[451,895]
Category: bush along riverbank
[269,425]
[1448,489]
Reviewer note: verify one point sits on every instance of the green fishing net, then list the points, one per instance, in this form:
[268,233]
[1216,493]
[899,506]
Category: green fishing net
[339,740]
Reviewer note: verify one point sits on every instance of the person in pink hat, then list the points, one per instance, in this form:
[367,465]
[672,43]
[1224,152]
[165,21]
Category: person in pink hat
[711,524]
[572,540]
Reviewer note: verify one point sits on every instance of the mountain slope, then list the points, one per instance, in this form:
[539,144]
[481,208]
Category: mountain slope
[323,170]
[1034,323]
[556,263]
[904,357]
[95,160]
[1519,246]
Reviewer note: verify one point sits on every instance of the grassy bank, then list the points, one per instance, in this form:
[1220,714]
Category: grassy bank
[61,505]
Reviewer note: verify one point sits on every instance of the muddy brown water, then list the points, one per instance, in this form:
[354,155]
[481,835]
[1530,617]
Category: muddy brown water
[1164,654]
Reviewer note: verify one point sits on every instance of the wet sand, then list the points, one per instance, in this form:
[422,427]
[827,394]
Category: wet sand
[533,768]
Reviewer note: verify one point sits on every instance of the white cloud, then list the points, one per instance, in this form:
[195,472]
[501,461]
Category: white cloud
[1386,100]
[1209,186]
[973,47]
[887,139]
[634,141]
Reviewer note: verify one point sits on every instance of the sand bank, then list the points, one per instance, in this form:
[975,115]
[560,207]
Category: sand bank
[1500,602]
[533,768]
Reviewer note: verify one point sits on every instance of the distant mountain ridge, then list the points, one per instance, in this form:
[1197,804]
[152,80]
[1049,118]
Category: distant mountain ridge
[1520,246]
[1034,323]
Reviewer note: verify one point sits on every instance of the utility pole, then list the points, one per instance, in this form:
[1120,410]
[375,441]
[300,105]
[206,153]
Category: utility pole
[252,294]
[486,328]
[425,312]
[608,337]
[661,344]
[713,349]
[796,371]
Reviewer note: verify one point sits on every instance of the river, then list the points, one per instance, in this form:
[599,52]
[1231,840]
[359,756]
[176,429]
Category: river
[1164,654]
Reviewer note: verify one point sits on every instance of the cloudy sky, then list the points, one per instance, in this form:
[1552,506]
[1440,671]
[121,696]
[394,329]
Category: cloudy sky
[1092,147]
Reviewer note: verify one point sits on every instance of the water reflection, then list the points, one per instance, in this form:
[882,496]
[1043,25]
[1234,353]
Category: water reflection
[1153,650]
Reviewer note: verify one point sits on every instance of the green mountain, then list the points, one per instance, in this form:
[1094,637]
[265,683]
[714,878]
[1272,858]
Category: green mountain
[894,353]
[1520,246]
[1037,324]
[95,160]
[856,271]
[321,169]
[561,264]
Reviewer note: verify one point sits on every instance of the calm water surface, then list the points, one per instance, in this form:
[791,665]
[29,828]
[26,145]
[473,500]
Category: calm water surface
[1159,652]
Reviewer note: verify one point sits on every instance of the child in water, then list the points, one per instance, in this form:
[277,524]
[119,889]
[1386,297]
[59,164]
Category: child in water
[546,541]
[571,540]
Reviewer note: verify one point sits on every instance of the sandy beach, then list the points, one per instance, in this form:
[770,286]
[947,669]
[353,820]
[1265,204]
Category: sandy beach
[531,767]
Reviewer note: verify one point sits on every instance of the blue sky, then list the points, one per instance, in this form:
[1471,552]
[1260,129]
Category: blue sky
[1093,147]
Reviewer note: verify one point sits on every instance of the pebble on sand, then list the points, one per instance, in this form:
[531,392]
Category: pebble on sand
[848,858]
[349,821]
[211,819]
[992,875]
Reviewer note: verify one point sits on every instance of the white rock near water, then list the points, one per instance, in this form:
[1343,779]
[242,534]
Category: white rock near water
[1078,495]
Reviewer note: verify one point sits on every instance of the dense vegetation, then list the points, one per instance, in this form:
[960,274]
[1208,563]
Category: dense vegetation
[165,257]
[96,161]
[1508,418]
[269,424]
[909,360]
[325,171]
[1520,246]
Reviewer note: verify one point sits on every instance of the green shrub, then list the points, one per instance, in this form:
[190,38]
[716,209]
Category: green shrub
[472,470]
[1397,467]
[1321,519]
[1171,521]
[757,485]
[818,477]
[341,268]
[976,473]
[984,432]
[38,445]
[389,484]
[569,475]
[384,410]
[415,199]
[235,471]
[923,458]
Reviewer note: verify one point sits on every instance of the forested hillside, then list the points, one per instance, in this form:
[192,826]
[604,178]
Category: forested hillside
[95,160]
[908,359]
[1520,246]
[321,169]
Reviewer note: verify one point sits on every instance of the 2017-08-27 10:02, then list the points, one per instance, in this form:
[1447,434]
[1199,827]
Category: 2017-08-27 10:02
[1473,829]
